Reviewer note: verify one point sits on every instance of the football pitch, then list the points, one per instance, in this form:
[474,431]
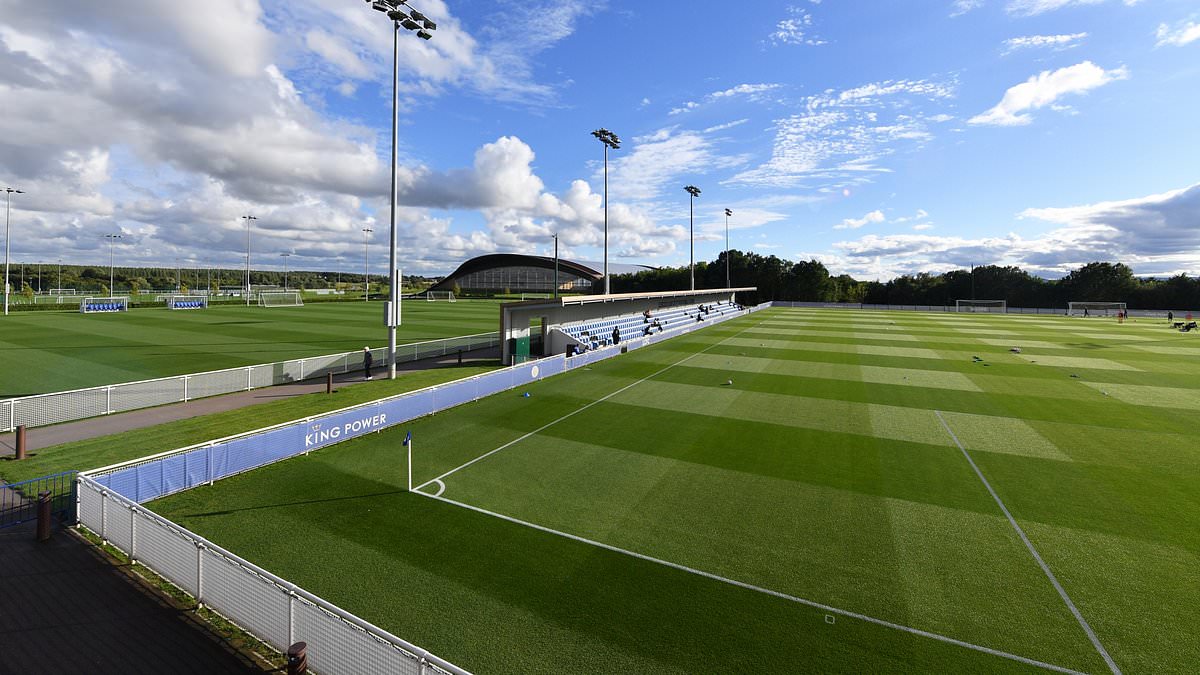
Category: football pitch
[58,351]
[795,490]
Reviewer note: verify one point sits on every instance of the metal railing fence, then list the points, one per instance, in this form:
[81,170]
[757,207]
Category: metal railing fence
[18,501]
[1059,311]
[66,406]
[274,610]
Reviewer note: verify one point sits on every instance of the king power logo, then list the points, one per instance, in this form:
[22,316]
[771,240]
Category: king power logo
[319,434]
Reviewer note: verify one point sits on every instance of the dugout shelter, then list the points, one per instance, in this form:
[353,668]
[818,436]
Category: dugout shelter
[535,327]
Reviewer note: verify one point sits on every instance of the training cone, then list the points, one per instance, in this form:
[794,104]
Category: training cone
[526,394]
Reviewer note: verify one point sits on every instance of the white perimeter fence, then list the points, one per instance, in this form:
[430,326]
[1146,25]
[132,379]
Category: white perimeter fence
[274,610]
[1148,313]
[66,406]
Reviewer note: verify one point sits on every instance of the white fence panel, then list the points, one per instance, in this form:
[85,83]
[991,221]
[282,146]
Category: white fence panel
[251,601]
[166,551]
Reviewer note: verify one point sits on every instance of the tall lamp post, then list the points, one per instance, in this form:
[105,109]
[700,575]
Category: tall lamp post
[556,265]
[694,192]
[248,219]
[610,140]
[112,239]
[285,257]
[727,214]
[366,284]
[8,193]
[414,21]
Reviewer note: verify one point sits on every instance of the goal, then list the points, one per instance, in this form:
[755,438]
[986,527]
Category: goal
[96,305]
[187,302]
[432,296]
[536,296]
[1095,308]
[61,291]
[279,299]
[988,306]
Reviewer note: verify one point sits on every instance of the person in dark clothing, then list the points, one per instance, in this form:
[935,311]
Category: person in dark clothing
[616,336]
[1170,317]
[368,361]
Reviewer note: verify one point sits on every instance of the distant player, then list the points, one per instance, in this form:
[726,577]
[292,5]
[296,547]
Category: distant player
[368,361]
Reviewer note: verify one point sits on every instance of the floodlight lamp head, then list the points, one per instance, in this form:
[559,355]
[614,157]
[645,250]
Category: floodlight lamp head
[379,6]
[410,24]
[417,15]
[728,212]
[397,15]
[429,25]
[424,35]
[692,190]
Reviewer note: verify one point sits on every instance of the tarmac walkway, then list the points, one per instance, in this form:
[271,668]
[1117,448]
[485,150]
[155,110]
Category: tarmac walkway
[44,437]
[66,608]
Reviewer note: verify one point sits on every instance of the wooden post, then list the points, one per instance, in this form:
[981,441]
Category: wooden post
[21,442]
[297,659]
[328,383]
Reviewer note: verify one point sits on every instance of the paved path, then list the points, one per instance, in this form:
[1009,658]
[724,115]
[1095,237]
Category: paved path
[64,608]
[43,437]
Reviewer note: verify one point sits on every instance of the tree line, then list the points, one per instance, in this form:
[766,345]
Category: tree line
[810,281]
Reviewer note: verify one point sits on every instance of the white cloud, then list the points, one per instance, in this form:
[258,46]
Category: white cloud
[840,137]
[960,7]
[921,227]
[1057,42]
[656,160]
[1178,35]
[795,29]
[752,92]
[873,217]
[1035,7]
[1154,235]
[1044,89]
[727,125]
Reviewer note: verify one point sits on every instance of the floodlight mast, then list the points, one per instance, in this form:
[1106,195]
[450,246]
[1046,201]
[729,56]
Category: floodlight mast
[694,192]
[285,257]
[414,21]
[366,284]
[112,239]
[727,214]
[248,219]
[610,140]
[8,193]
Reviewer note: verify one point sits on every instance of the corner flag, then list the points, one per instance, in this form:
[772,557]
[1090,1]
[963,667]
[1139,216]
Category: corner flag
[408,437]
[408,444]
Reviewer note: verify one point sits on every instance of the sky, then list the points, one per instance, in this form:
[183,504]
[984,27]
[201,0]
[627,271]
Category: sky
[881,138]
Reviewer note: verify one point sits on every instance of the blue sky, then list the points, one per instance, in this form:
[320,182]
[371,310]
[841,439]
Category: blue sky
[880,138]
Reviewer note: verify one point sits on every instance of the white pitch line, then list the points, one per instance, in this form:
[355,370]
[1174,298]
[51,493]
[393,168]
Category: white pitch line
[1033,551]
[759,589]
[578,410]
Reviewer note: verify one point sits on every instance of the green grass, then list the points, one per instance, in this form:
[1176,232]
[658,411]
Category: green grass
[57,351]
[822,472]
[105,450]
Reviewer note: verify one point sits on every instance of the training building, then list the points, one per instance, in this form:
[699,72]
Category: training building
[499,273]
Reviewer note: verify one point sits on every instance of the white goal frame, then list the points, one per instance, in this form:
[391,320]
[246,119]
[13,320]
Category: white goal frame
[285,298]
[187,302]
[432,296]
[984,306]
[119,303]
[1095,308]
[61,291]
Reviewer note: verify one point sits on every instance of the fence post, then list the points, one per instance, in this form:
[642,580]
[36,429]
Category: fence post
[248,369]
[291,616]
[185,388]
[108,400]
[132,535]
[301,369]
[12,413]
[199,575]
[104,516]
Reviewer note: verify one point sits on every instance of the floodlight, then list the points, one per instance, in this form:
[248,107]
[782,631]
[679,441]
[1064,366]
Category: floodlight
[381,6]
[397,15]
[410,24]
[424,35]
[692,190]
[728,212]
[429,25]
[418,16]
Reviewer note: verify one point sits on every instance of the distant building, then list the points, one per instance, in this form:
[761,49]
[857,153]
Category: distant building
[515,273]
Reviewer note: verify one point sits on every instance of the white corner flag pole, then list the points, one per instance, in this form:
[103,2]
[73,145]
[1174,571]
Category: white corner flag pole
[409,443]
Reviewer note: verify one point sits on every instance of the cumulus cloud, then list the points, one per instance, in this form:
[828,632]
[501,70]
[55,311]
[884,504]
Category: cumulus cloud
[795,29]
[1156,234]
[874,217]
[1182,33]
[1044,89]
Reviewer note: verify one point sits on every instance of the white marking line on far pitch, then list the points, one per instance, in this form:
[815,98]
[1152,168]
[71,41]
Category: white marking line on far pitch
[1033,551]
[759,589]
[575,412]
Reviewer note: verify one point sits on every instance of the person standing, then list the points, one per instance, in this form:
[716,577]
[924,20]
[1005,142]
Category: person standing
[616,336]
[368,361]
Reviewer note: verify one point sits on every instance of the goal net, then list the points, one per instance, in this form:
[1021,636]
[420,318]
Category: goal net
[279,299]
[95,305]
[989,306]
[187,302]
[1095,308]
[536,296]
[432,296]
[61,291]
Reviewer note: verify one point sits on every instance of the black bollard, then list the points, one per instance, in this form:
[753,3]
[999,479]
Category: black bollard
[43,516]
[21,442]
[297,659]
[329,383]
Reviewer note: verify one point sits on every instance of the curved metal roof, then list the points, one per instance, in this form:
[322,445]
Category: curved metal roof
[496,260]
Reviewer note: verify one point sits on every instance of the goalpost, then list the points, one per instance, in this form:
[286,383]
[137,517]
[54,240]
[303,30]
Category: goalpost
[431,296]
[95,305]
[279,299]
[988,306]
[1095,308]
[61,291]
[536,296]
[187,302]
